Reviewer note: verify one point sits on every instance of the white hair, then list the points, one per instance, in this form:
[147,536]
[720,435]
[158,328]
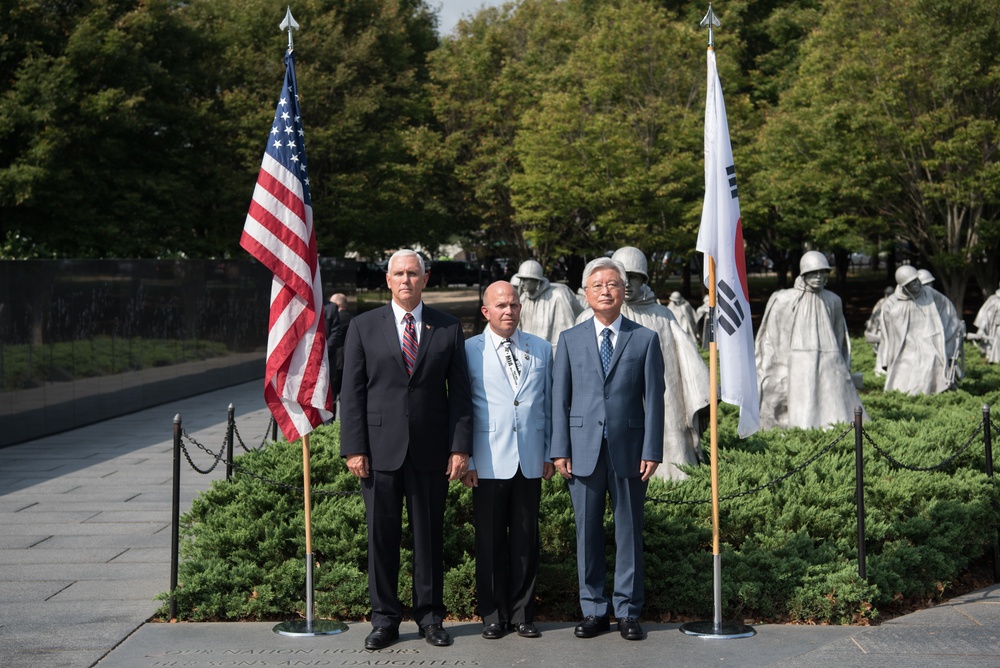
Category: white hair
[406,252]
[597,264]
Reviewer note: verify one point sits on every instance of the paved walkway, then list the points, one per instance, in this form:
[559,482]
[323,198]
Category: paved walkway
[85,545]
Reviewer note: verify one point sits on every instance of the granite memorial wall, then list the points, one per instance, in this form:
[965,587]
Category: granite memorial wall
[85,340]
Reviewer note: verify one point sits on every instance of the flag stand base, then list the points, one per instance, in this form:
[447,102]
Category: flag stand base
[318,627]
[310,626]
[722,631]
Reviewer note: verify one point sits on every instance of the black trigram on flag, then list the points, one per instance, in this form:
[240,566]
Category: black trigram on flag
[730,315]
[731,173]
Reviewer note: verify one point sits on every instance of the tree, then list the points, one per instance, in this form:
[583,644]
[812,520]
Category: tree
[612,150]
[135,128]
[894,120]
[484,78]
[102,129]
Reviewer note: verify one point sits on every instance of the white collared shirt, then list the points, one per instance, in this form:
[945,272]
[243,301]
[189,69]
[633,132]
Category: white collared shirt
[399,313]
[615,327]
[496,341]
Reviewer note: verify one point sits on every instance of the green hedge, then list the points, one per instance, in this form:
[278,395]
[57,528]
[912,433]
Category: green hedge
[789,551]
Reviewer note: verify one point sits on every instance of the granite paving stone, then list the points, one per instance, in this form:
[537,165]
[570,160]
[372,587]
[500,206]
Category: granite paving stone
[22,541]
[48,555]
[86,571]
[119,539]
[37,590]
[79,528]
[120,589]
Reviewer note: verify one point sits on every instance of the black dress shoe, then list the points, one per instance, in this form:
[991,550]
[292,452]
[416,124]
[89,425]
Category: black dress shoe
[493,631]
[526,630]
[629,628]
[435,635]
[381,637]
[591,626]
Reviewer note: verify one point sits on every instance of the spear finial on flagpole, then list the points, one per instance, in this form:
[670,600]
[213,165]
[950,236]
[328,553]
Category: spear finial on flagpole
[710,20]
[289,24]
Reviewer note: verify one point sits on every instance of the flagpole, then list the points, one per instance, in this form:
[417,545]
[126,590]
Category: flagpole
[308,626]
[713,388]
[716,628]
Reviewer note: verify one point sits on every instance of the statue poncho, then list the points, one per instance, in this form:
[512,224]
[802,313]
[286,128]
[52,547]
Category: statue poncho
[921,338]
[873,332]
[686,381]
[804,360]
[552,310]
[988,324]
[684,313]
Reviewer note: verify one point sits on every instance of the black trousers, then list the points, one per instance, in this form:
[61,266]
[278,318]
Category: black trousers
[425,494]
[507,551]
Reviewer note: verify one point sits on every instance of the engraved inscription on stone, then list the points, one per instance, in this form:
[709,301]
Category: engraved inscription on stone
[195,658]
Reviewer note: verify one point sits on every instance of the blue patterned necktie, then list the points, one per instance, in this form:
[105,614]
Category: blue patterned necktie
[606,350]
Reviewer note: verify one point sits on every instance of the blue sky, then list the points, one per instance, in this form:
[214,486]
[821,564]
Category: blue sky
[450,11]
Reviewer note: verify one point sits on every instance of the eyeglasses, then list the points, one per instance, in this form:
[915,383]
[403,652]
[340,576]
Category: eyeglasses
[612,286]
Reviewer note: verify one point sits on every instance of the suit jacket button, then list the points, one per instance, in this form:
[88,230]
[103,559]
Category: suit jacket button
[515,403]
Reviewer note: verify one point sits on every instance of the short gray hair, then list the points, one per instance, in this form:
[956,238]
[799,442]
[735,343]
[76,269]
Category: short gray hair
[406,252]
[599,263]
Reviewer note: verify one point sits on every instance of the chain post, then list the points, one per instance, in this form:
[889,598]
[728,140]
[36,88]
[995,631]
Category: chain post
[231,416]
[859,468]
[988,444]
[175,517]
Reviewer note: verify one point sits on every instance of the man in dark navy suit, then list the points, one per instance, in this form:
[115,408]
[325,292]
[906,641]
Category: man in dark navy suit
[406,417]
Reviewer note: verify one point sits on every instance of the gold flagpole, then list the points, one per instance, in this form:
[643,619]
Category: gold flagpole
[715,629]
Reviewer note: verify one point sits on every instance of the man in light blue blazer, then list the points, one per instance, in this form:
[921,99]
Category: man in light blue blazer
[511,377]
[607,439]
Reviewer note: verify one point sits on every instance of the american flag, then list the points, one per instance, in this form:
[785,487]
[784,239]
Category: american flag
[279,233]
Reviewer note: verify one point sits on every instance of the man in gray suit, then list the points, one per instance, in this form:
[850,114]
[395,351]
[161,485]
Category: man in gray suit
[607,439]
[511,375]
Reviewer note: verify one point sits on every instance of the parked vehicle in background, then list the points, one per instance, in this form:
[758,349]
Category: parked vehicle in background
[500,269]
[371,275]
[454,272]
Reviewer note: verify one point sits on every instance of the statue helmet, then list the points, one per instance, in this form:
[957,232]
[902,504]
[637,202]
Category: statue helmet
[633,259]
[906,275]
[925,276]
[676,297]
[813,261]
[529,269]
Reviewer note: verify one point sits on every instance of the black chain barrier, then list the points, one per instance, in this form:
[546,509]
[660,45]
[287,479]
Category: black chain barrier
[771,483]
[263,439]
[187,455]
[239,469]
[680,502]
[945,462]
